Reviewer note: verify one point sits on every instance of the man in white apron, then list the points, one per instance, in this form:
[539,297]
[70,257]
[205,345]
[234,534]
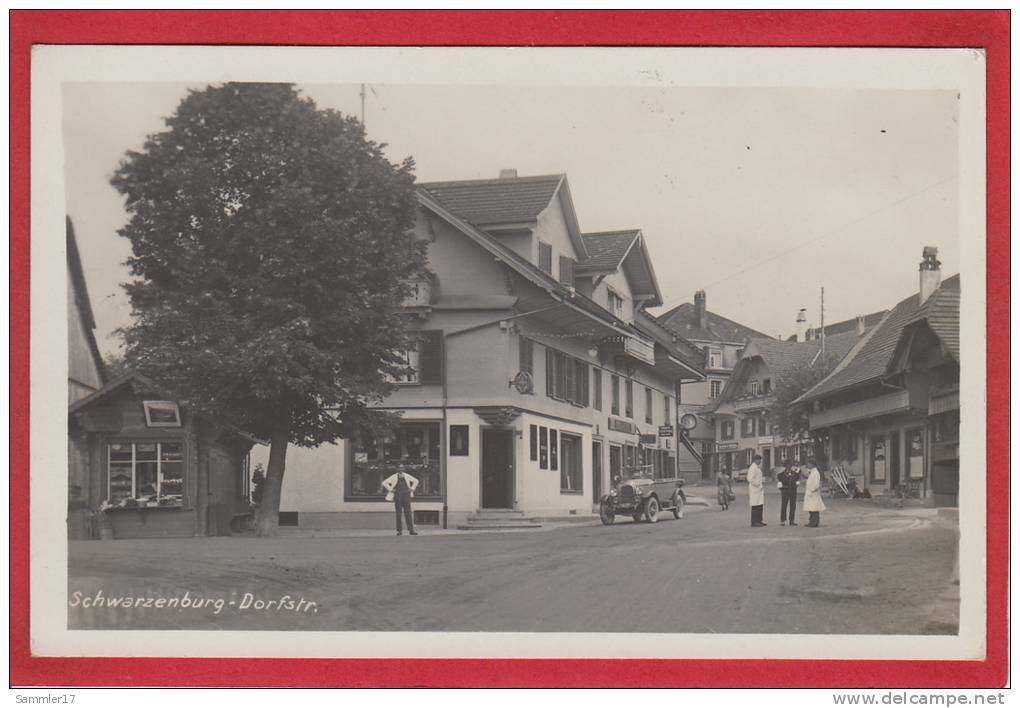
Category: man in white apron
[756,492]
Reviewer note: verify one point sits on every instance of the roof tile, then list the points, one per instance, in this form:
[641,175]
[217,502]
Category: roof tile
[496,201]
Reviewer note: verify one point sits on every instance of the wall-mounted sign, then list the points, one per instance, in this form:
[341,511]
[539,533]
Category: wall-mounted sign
[665,431]
[458,440]
[622,426]
[688,421]
[524,382]
[649,438]
[731,445]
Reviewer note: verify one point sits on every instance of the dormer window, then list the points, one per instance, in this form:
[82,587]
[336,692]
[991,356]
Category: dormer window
[714,357]
[755,388]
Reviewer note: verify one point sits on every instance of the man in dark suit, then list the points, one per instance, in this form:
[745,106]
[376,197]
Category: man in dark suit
[788,480]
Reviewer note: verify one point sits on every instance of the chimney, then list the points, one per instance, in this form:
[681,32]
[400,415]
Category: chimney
[802,325]
[699,309]
[508,173]
[931,273]
[859,322]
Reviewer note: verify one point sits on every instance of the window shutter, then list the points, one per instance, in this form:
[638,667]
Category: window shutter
[545,257]
[566,270]
[597,378]
[527,355]
[570,381]
[430,358]
[550,374]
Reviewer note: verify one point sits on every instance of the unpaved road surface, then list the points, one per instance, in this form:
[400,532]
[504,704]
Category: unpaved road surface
[868,570]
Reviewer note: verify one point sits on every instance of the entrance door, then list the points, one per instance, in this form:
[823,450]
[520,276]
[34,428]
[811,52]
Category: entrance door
[893,459]
[596,472]
[497,468]
[766,455]
[615,462]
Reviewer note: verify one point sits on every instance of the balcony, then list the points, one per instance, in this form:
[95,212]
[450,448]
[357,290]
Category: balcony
[757,402]
[636,347]
[891,403]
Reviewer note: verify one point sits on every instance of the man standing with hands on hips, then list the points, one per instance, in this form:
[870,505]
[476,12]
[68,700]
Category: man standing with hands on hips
[756,492]
[399,490]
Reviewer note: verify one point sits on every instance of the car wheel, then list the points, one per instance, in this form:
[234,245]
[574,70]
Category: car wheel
[606,513]
[678,506]
[652,510]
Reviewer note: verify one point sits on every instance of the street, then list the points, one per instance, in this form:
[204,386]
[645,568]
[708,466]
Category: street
[867,570]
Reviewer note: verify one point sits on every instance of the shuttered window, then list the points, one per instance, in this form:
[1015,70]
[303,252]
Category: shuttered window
[527,355]
[430,356]
[545,257]
[566,378]
[566,270]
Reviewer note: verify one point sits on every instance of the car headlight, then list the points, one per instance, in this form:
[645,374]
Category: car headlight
[613,492]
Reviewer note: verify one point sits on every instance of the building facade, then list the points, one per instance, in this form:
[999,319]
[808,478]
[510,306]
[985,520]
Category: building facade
[538,376]
[723,341]
[889,414]
[744,412]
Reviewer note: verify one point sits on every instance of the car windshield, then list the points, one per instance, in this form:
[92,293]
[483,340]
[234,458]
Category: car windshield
[637,472]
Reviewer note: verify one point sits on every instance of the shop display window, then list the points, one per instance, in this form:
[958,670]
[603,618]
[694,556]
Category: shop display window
[413,448]
[145,474]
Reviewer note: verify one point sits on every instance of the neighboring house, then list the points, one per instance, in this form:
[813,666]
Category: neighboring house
[538,376]
[722,340]
[84,364]
[85,374]
[743,411]
[157,469]
[890,412]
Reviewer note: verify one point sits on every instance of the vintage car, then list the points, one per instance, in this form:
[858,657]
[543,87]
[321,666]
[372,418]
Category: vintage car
[639,496]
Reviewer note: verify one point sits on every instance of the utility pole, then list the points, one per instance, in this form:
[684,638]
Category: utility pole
[823,322]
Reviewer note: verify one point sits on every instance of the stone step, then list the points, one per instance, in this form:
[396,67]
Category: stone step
[497,526]
[488,520]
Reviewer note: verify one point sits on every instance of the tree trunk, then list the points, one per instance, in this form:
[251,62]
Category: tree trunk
[267,517]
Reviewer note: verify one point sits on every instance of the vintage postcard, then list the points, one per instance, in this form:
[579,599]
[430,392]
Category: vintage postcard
[508,352]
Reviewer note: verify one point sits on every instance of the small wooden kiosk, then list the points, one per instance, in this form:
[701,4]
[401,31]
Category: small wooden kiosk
[142,465]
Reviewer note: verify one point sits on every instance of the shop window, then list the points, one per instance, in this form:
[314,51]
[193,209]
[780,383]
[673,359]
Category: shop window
[571,476]
[145,474]
[413,448]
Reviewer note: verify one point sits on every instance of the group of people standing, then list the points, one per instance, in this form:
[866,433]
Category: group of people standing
[789,479]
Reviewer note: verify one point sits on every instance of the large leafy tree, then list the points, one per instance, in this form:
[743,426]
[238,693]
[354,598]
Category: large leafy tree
[269,241]
[792,421]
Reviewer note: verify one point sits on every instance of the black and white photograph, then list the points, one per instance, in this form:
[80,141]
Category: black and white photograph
[616,352]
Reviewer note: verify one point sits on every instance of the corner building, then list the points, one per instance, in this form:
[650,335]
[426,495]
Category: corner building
[538,375]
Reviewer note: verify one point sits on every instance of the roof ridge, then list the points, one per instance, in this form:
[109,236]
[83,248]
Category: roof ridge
[612,232]
[491,180]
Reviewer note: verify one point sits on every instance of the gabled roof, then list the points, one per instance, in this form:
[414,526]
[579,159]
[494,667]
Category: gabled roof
[607,249]
[529,271]
[869,360]
[508,201]
[870,320]
[784,358]
[684,321]
[81,296]
[141,385]
[496,201]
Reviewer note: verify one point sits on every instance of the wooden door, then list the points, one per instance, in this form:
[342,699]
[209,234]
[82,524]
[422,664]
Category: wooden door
[497,468]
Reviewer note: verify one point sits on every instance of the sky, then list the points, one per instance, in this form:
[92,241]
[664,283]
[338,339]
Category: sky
[759,196]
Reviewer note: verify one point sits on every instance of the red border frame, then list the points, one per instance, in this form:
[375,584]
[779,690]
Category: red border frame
[899,28]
